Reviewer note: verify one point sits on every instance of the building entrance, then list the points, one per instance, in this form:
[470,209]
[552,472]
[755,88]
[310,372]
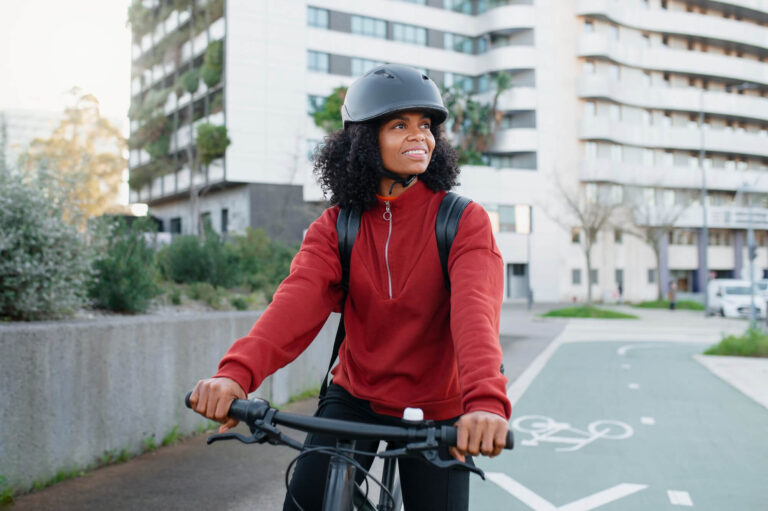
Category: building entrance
[517,280]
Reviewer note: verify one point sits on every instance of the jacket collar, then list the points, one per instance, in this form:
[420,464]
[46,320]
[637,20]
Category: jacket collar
[417,194]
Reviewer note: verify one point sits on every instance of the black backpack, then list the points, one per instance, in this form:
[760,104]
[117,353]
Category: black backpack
[347,225]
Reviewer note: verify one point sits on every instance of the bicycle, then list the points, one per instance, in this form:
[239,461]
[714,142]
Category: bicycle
[422,439]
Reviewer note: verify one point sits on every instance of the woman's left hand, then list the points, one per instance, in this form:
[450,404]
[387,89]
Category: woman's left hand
[480,433]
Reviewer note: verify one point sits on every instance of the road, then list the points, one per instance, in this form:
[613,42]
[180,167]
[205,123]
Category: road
[630,425]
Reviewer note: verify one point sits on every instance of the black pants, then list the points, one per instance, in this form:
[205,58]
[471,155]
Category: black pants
[425,487]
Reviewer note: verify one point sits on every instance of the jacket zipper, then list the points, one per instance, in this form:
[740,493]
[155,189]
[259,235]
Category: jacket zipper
[388,219]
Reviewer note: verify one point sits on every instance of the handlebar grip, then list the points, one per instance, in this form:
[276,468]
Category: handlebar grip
[186,400]
[449,436]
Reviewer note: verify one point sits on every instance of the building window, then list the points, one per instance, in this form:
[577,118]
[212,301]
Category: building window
[410,34]
[205,220]
[317,18]
[318,61]
[651,275]
[590,149]
[618,236]
[589,26]
[455,42]
[176,225]
[362,66]
[314,103]
[593,277]
[589,67]
[620,277]
[515,219]
[575,234]
[460,81]
[370,27]
[463,6]
[590,108]
[311,148]
[576,277]
[613,32]
[224,220]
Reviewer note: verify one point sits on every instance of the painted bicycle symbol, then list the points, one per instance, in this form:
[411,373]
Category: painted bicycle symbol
[547,429]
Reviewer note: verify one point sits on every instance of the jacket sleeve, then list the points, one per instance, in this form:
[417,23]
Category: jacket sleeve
[476,271]
[299,309]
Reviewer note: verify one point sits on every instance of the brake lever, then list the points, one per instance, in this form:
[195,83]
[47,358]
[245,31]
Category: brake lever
[263,430]
[429,451]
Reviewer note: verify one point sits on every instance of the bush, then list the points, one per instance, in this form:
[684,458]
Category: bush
[188,260]
[212,142]
[754,343]
[263,263]
[239,302]
[45,264]
[586,311]
[126,278]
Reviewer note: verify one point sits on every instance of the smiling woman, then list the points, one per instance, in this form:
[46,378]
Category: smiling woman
[408,340]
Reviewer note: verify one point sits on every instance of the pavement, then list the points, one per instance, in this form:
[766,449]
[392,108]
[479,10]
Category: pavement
[706,444]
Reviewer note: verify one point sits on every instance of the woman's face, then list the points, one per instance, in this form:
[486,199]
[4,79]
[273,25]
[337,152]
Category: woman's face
[406,143]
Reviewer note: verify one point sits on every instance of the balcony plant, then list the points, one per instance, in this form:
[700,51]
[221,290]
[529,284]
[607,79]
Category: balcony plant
[140,19]
[190,80]
[212,142]
[212,63]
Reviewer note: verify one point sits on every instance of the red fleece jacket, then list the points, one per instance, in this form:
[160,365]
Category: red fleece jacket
[409,341]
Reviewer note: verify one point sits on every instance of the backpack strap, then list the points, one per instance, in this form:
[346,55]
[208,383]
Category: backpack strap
[347,226]
[446,226]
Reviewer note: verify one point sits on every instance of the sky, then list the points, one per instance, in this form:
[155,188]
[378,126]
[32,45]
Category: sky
[49,46]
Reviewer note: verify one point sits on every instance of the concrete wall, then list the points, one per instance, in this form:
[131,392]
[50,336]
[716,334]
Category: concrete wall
[72,390]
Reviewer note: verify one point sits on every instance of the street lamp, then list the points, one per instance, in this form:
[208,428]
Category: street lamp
[704,243]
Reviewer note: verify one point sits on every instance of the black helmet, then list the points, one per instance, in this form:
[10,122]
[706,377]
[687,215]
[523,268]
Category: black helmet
[392,88]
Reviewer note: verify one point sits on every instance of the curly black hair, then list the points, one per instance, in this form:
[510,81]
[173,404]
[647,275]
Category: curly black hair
[348,165]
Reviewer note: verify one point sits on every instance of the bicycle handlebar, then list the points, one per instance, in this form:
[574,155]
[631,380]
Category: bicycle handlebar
[250,411]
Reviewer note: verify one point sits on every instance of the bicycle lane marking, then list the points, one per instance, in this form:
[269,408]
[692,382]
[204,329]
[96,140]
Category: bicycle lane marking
[539,503]
[681,416]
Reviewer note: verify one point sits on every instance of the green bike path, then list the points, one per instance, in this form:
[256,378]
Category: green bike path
[678,438]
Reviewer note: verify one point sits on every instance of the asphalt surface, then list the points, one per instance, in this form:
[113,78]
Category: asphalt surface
[232,476]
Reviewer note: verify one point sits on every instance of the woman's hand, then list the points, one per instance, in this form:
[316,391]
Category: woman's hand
[213,397]
[480,433]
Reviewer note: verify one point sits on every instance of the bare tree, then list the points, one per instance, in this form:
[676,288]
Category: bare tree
[590,208]
[651,215]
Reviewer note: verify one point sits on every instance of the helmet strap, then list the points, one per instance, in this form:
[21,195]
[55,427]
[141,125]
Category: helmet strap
[403,181]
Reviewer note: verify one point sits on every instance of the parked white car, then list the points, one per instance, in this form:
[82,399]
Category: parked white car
[732,297]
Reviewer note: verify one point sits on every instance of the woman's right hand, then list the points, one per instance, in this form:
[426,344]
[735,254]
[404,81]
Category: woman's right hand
[212,398]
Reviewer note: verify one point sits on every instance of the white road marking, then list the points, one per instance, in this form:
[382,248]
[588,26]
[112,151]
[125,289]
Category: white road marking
[604,497]
[679,498]
[517,490]
[648,420]
[539,503]
[626,366]
[634,386]
[624,349]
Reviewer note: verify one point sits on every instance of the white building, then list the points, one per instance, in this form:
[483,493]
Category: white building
[18,128]
[605,93]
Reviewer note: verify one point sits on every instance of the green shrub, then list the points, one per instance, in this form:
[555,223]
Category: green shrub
[212,64]
[664,304]
[175,296]
[45,264]
[586,311]
[190,80]
[754,343]
[239,302]
[126,278]
[182,261]
[263,263]
[212,142]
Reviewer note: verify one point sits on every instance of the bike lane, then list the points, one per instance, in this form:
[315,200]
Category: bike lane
[680,437]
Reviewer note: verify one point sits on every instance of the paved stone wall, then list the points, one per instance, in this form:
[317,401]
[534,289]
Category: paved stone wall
[72,390]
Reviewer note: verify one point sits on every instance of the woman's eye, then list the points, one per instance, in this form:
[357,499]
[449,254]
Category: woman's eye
[425,125]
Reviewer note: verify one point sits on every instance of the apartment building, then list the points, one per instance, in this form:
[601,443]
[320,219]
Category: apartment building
[605,96]
[18,128]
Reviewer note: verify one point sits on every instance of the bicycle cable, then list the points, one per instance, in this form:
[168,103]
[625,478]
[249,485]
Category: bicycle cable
[332,451]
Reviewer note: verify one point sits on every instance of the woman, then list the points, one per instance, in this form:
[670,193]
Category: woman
[410,342]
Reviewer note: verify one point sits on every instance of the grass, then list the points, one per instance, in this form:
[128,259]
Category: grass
[753,343]
[664,304]
[586,311]
[172,436]
[6,492]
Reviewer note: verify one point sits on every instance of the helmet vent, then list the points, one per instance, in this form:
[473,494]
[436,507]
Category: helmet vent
[386,73]
[424,77]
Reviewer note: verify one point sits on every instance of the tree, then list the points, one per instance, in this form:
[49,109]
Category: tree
[84,158]
[651,217]
[328,115]
[474,124]
[589,208]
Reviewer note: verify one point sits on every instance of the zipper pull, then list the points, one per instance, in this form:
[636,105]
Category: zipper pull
[388,212]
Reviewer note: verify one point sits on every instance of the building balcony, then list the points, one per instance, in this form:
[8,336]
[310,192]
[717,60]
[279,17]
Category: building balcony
[509,57]
[183,136]
[679,61]
[724,217]
[609,171]
[498,18]
[686,138]
[701,26]
[515,140]
[178,183]
[686,99]
[743,7]
[516,98]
